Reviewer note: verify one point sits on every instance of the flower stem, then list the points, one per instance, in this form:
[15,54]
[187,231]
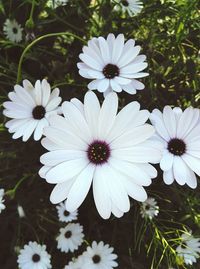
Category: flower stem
[19,71]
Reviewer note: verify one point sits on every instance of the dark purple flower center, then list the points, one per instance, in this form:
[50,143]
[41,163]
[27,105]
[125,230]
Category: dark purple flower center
[36,258]
[96,259]
[110,71]
[125,3]
[68,234]
[15,30]
[98,152]
[66,213]
[38,112]
[176,146]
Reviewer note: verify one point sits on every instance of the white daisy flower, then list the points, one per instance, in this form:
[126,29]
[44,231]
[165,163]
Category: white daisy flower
[189,249]
[2,206]
[94,143]
[13,30]
[56,3]
[70,237]
[34,256]
[112,64]
[179,132]
[30,107]
[65,215]
[132,7]
[149,208]
[99,256]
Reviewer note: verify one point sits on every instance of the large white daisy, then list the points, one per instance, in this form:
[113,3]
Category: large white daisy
[112,64]
[30,107]
[179,132]
[34,256]
[2,206]
[13,30]
[189,249]
[93,143]
[99,256]
[132,7]
[65,215]
[70,237]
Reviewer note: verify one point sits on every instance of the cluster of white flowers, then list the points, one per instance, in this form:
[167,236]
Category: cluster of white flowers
[100,147]
[189,249]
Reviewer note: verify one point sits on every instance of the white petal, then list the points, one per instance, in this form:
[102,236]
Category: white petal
[166,161]
[46,90]
[38,92]
[117,48]
[107,115]
[53,103]
[91,111]
[103,85]
[129,53]
[192,162]
[133,68]
[39,129]
[101,193]
[66,170]
[55,157]
[180,170]
[61,191]
[92,63]
[78,104]
[134,137]
[192,180]
[24,95]
[157,120]
[115,86]
[104,50]
[168,177]
[80,188]
[136,192]
[169,121]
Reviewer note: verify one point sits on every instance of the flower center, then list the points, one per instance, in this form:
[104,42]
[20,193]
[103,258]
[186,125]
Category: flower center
[176,146]
[66,213]
[68,234]
[36,258]
[98,152]
[38,112]
[111,71]
[15,30]
[96,258]
[125,3]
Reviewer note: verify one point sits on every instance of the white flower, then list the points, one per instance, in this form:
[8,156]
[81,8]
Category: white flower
[133,7]
[99,256]
[56,3]
[179,132]
[34,256]
[65,215]
[189,250]
[113,64]
[70,237]
[30,107]
[93,143]
[149,208]
[13,30]
[2,206]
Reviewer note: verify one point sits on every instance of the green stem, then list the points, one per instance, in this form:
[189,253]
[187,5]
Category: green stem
[32,9]
[12,192]
[19,71]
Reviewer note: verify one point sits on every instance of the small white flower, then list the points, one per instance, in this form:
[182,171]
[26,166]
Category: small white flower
[57,3]
[34,256]
[179,132]
[13,30]
[149,208]
[2,206]
[92,144]
[65,215]
[133,7]
[30,107]
[70,237]
[20,211]
[189,249]
[112,64]
[99,256]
